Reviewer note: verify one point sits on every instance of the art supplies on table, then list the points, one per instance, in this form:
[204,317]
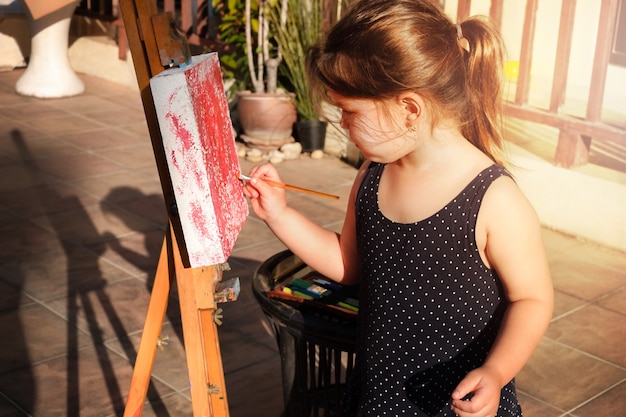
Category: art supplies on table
[316,292]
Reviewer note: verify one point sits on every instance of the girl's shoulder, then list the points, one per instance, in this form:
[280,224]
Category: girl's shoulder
[504,198]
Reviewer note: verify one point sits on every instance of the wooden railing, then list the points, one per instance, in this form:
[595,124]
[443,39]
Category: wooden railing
[575,133]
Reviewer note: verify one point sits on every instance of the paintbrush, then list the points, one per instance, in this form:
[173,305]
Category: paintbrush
[290,187]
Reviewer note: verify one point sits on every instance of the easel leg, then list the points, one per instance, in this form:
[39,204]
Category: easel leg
[204,362]
[151,331]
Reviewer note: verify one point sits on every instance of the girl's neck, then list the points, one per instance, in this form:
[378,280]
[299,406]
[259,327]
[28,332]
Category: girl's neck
[435,149]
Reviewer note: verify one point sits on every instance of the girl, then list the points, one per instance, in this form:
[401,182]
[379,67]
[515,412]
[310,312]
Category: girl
[455,291]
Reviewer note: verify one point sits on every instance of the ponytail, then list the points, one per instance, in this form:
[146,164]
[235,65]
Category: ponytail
[484,60]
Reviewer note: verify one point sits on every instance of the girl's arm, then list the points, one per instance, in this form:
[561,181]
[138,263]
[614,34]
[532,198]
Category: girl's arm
[514,248]
[327,252]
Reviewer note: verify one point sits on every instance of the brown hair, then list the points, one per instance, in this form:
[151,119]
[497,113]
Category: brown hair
[382,48]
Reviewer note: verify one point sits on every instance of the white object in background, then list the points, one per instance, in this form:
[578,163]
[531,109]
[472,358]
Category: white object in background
[49,74]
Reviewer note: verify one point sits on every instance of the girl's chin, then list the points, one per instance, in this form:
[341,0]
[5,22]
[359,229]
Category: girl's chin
[375,158]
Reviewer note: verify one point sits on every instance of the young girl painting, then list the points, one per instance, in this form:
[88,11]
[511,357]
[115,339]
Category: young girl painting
[455,291]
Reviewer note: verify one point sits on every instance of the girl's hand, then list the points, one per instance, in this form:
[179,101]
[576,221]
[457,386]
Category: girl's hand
[267,202]
[484,385]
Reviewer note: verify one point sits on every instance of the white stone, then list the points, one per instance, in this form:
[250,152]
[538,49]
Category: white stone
[291,150]
[276,157]
[317,154]
[241,149]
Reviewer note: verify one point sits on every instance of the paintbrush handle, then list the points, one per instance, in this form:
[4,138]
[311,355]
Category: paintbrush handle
[291,187]
[300,189]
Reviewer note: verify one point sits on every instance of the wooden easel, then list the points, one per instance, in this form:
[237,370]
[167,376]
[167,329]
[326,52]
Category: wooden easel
[153,45]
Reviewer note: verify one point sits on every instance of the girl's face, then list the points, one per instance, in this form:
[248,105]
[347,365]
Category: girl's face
[381,136]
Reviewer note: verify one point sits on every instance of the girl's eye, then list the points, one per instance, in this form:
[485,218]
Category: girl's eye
[347,112]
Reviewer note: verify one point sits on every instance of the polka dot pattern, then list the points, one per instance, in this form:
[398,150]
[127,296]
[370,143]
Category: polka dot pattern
[430,309]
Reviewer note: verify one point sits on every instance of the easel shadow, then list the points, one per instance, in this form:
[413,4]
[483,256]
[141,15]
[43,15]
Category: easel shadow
[86,294]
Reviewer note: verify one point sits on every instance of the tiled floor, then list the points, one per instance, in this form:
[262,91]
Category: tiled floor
[81,224]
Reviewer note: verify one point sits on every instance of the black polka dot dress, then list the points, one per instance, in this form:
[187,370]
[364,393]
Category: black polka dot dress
[429,309]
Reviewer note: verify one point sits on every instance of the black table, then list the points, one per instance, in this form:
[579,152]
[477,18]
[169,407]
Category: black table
[316,347]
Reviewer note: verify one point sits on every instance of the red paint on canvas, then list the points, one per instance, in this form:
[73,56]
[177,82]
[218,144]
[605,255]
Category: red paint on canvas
[220,157]
[203,162]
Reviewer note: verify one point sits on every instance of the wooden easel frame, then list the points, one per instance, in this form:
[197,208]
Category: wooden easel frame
[195,285]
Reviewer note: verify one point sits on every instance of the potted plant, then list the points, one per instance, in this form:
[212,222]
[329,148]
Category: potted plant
[265,112]
[231,32]
[302,29]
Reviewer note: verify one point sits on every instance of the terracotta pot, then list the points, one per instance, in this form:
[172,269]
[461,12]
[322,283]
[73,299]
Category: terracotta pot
[267,119]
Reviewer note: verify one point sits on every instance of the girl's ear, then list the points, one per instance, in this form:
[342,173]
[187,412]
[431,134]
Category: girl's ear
[411,104]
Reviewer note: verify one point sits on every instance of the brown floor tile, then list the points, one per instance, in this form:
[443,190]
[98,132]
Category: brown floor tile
[113,311]
[135,253]
[5,161]
[564,377]
[133,156]
[140,129]
[119,193]
[315,173]
[532,407]
[125,98]
[170,363]
[260,396]
[94,383]
[10,296]
[58,126]
[12,136]
[580,278]
[151,207]
[21,146]
[8,219]
[169,405]
[598,255]
[101,139]
[35,335]
[85,104]
[20,240]
[93,224]
[45,199]
[14,177]
[31,111]
[109,185]
[615,301]
[610,403]
[254,232]
[556,242]
[79,166]
[564,303]
[318,209]
[120,117]
[245,333]
[105,88]
[8,409]
[594,330]
[52,275]
[7,94]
